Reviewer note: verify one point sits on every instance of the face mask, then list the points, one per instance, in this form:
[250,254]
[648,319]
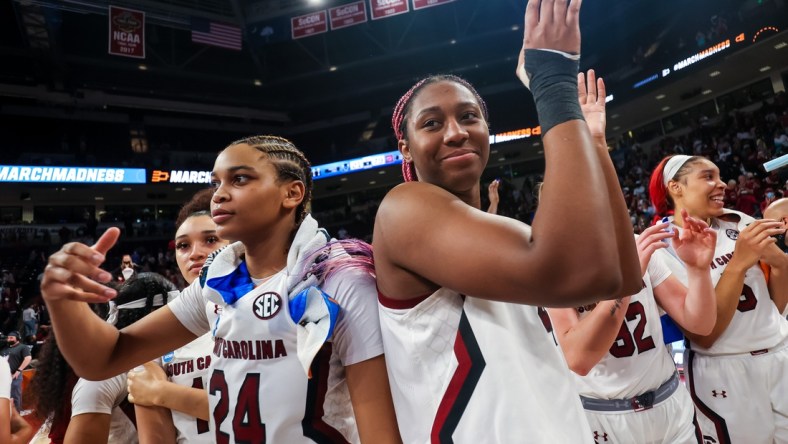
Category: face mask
[127,272]
[11,342]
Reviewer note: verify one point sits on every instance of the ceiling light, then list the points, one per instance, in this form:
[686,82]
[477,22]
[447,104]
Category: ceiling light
[765,68]
[142,67]
[515,27]
[258,82]
[706,92]
[501,159]
[332,69]
[780,45]
[493,151]
[665,108]
[372,182]
[540,152]
[536,144]
[343,179]
[126,189]
[714,74]
[661,96]
[614,116]
[452,41]
[616,128]
[98,198]
[179,189]
[382,172]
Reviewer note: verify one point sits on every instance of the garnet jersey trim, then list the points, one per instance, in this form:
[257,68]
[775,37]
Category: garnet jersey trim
[470,364]
[400,304]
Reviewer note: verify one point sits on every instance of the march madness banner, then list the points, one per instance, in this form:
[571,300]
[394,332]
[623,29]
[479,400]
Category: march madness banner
[126,32]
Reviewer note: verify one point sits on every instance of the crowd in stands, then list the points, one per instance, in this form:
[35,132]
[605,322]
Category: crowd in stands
[739,142]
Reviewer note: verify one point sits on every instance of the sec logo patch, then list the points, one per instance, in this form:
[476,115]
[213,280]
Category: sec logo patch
[267,305]
[732,234]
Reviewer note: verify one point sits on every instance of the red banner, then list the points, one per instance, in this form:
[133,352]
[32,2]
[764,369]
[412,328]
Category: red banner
[126,32]
[387,8]
[421,4]
[309,24]
[348,15]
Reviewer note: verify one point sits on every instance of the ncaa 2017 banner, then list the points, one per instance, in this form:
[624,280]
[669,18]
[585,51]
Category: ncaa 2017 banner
[126,32]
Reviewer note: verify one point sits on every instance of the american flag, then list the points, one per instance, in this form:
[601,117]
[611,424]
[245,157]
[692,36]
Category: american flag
[216,34]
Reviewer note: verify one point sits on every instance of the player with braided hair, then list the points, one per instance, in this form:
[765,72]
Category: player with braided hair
[297,354]
[476,364]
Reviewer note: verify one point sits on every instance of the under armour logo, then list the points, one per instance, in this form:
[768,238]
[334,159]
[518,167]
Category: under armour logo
[597,436]
[722,393]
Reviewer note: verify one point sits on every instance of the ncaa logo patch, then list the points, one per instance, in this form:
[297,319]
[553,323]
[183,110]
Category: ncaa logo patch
[732,234]
[267,305]
[168,357]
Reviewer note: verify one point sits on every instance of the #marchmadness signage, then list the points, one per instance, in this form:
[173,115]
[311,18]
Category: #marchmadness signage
[46,174]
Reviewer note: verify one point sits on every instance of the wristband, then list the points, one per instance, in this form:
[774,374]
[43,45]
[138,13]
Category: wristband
[553,83]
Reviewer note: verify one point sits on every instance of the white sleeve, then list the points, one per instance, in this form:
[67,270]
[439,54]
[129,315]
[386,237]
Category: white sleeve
[98,396]
[189,308]
[657,269]
[5,379]
[357,334]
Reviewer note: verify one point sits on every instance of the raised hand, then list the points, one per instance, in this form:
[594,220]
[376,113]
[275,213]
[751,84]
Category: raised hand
[492,194]
[649,241]
[73,272]
[754,240]
[550,24]
[592,94]
[696,243]
[143,384]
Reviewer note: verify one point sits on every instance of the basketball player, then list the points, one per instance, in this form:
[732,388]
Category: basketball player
[626,377]
[173,406]
[737,374]
[275,320]
[99,410]
[475,364]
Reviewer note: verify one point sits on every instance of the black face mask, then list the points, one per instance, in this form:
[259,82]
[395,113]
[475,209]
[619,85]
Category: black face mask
[11,343]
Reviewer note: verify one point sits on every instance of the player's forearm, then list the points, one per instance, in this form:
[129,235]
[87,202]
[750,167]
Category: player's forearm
[73,323]
[188,400]
[700,305]
[629,261]
[591,258]
[589,340]
[154,425]
[727,294]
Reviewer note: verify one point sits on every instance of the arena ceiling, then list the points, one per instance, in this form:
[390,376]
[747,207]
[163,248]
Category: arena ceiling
[327,91]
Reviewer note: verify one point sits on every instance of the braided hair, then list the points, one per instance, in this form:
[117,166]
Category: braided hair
[399,120]
[290,163]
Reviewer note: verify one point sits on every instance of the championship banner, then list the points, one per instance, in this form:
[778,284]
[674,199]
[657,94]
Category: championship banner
[348,15]
[309,24]
[387,8]
[126,32]
[421,4]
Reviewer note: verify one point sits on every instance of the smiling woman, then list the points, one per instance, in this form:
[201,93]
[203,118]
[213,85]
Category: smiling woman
[315,336]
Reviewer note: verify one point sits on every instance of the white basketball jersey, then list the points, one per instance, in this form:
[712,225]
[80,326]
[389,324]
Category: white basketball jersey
[756,325]
[638,360]
[189,366]
[258,374]
[468,370]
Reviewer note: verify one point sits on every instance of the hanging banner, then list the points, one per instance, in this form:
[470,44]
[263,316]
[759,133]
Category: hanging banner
[421,4]
[126,32]
[387,8]
[348,15]
[309,24]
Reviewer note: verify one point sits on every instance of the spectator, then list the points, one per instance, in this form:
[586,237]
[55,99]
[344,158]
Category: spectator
[18,357]
[30,320]
[127,269]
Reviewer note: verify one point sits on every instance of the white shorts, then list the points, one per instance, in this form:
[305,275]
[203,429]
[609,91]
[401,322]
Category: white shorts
[741,398]
[671,421]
